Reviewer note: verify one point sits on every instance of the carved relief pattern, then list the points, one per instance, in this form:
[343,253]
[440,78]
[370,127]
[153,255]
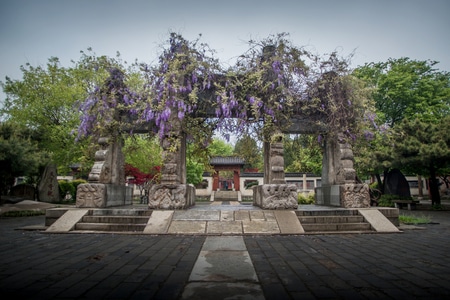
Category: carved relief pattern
[355,195]
[91,195]
[164,196]
[276,196]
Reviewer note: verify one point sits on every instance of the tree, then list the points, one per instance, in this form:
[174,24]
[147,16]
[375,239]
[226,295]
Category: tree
[402,89]
[247,148]
[302,154]
[405,88]
[143,152]
[219,147]
[19,155]
[46,98]
[423,147]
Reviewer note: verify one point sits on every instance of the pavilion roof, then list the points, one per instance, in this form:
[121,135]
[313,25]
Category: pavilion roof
[226,160]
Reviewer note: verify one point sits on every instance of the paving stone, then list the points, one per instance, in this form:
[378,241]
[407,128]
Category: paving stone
[197,215]
[213,243]
[226,215]
[242,215]
[223,265]
[269,215]
[228,227]
[222,290]
[187,227]
[261,227]
[256,215]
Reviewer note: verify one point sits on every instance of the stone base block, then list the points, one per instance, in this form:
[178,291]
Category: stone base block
[171,196]
[347,195]
[275,196]
[99,195]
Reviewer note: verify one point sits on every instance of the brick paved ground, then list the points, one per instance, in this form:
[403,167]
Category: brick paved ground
[413,265]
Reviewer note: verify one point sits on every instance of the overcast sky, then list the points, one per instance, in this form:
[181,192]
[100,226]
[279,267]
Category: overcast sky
[32,31]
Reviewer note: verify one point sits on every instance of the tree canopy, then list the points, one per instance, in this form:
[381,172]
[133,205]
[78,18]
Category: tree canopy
[19,154]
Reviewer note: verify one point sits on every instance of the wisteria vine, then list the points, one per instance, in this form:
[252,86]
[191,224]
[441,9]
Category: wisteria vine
[270,83]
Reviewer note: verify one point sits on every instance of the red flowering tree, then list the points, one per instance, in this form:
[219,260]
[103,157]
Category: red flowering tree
[139,177]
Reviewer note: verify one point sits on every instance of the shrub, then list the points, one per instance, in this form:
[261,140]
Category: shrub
[64,188]
[386,200]
[69,186]
[309,199]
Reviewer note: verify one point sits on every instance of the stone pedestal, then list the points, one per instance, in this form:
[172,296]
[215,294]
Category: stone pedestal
[171,196]
[275,196]
[106,185]
[349,195]
[100,195]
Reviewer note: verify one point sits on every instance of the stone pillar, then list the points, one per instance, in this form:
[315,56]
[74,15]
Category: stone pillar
[106,181]
[275,193]
[339,186]
[173,192]
[236,180]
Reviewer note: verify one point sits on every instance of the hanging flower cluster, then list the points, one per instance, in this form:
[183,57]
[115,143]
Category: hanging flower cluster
[107,109]
[184,70]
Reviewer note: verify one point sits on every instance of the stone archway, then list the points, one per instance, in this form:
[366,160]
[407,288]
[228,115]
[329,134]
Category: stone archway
[339,185]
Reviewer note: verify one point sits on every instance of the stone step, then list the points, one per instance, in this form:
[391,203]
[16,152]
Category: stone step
[120,212]
[116,219]
[330,219]
[330,212]
[225,195]
[122,227]
[317,227]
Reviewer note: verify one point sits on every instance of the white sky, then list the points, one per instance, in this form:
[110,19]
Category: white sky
[31,31]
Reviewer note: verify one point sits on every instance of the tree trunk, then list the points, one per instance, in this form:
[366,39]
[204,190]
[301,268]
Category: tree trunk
[380,183]
[420,186]
[434,188]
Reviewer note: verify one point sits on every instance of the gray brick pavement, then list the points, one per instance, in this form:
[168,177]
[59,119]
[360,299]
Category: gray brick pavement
[414,264]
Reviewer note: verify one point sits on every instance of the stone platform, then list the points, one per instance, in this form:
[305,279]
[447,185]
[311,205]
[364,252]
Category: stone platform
[222,218]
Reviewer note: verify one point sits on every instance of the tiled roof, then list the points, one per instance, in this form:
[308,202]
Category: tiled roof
[226,160]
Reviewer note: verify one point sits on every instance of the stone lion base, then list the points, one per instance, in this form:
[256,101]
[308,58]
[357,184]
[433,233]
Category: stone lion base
[349,195]
[171,196]
[275,196]
[99,195]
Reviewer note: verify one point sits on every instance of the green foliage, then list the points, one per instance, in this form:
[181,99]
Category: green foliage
[70,187]
[194,171]
[19,154]
[412,99]
[247,148]
[66,187]
[386,200]
[407,219]
[143,152]
[309,199]
[302,153]
[405,88]
[219,147]
[23,213]
[251,184]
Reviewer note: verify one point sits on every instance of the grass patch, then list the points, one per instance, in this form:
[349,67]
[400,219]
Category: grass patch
[414,220]
[23,213]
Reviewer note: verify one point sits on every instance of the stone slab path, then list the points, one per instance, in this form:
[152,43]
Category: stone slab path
[224,222]
[224,268]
